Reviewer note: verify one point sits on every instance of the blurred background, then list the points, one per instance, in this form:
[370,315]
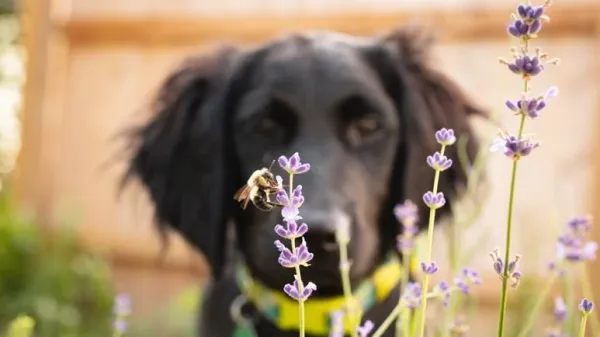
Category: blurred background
[73,73]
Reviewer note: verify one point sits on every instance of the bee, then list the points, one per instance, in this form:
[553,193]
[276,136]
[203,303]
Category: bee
[259,188]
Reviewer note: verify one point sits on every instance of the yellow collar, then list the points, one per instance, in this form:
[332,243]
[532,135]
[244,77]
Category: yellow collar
[282,311]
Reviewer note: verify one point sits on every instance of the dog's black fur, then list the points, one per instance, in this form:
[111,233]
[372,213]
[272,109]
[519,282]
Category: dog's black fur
[363,112]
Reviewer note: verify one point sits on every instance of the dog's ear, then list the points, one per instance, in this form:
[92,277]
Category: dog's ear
[427,100]
[182,155]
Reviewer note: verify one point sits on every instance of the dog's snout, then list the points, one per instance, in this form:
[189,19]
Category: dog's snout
[322,228]
[320,238]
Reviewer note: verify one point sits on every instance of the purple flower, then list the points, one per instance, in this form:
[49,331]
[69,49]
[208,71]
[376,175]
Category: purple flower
[532,107]
[525,66]
[459,328]
[412,295]
[518,29]
[512,270]
[120,326]
[572,245]
[434,201]
[405,244]
[580,224]
[337,324]
[439,162]
[471,275]
[291,231]
[292,259]
[407,212]
[443,289]
[528,12]
[466,279]
[512,147]
[365,329]
[290,211]
[408,215]
[293,165]
[586,306]
[445,136]
[122,306]
[560,309]
[430,269]
[292,291]
[121,309]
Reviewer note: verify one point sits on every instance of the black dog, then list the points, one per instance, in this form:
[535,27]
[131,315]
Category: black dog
[363,112]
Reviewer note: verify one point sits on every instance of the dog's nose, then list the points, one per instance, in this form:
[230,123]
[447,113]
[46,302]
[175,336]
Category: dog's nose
[322,228]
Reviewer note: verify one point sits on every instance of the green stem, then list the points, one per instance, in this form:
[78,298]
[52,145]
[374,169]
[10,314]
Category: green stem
[582,326]
[537,306]
[413,324]
[587,290]
[408,317]
[395,313]
[454,263]
[388,321]
[402,324]
[298,274]
[448,317]
[350,305]
[511,199]
[425,285]
[571,324]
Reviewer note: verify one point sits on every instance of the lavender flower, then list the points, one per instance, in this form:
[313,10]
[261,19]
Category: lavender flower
[337,324]
[459,328]
[292,290]
[291,230]
[439,162]
[586,306]
[407,214]
[512,270]
[290,211]
[512,146]
[121,309]
[445,137]
[526,66]
[122,306]
[466,279]
[532,107]
[560,309]
[365,329]
[412,295]
[293,165]
[294,258]
[434,201]
[528,22]
[444,291]
[572,245]
[297,256]
[430,268]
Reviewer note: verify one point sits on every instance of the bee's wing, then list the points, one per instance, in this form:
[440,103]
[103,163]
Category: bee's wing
[242,193]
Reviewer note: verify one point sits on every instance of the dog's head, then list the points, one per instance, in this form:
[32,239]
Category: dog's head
[362,112]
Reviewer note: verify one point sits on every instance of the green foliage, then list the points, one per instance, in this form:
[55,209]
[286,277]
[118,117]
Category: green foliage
[65,290]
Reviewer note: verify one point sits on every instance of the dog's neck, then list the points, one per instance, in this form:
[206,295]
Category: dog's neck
[282,311]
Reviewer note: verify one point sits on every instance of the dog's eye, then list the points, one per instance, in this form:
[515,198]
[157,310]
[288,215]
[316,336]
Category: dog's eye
[275,123]
[265,126]
[363,128]
[361,122]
